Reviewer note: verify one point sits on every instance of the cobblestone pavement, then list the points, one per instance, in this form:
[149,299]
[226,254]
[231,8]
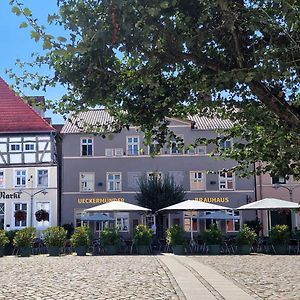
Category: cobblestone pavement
[265,276]
[90,277]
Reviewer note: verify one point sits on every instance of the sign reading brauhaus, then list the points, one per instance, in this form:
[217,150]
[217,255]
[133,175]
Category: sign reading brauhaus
[213,199]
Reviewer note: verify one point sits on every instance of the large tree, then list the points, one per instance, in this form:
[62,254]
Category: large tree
[148,60]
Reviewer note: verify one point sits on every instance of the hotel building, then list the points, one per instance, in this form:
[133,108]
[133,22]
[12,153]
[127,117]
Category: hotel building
[28,167]
[96,170]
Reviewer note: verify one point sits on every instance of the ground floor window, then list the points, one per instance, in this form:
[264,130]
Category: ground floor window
[122,221]
[234,224]
[187,221]
[45,221]
[209,222]
[20,214]
[2,213]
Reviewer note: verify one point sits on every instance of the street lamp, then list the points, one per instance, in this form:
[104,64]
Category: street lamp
[43,191]
[290,189]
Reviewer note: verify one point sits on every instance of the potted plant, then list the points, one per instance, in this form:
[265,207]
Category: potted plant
[3,241]
[54,239]
[24,240]
[142,238]
[81,239]
[175,238]
[42,215]
[279,236]
[244,240]
[111,240]
[213,237]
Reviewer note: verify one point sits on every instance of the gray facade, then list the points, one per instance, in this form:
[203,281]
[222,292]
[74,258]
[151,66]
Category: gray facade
[115,155]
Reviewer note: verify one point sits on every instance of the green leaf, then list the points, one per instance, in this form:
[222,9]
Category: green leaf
[16,10]
[23,25]
[61,39]
[35,35]
[27,12]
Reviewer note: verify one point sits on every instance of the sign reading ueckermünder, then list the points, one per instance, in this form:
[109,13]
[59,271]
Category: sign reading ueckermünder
[213,199]
[98,200]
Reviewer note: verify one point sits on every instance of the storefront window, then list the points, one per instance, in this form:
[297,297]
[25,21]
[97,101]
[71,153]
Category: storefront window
[234,224]
[46,207]
[20,214]
[122,222]
[187,221]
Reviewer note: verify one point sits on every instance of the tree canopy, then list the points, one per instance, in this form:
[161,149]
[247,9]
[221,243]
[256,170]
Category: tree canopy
[148,60]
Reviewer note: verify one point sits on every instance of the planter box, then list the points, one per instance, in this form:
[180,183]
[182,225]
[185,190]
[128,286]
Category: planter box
[111,249]
[178,249]
[244,249]
[214,249]
[25,251]
[142,249]
[54,251]
[280,249]
[81,250]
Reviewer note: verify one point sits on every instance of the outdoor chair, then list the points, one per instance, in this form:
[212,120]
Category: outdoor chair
[39,247]
[229,246]
[264,245]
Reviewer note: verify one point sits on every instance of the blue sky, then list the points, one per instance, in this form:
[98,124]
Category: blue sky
[17,44]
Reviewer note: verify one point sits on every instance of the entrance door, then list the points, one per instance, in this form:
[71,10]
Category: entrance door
[2,214]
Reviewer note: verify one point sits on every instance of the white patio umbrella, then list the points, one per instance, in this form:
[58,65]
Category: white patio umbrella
[116,206]
[269,204]
[193,205]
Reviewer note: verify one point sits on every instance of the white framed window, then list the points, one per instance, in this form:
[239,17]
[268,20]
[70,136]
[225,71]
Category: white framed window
[87,182]
[201,150]
[15,147]
[154,149]
[133,145]
[46,207]
[113,182]
[29,147]
[227,144]
[20,178]
[158,175]
[86,147]
[233,225]
[20,215]
[177,146]
[2,178]
[278,180]
[226,180]
[122,221]
[119,151]
[42,178]
[209,222]
[109,152]
[187,221]
[197,180]
[2,215]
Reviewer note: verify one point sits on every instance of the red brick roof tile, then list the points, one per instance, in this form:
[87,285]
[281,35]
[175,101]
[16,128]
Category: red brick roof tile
[18,116]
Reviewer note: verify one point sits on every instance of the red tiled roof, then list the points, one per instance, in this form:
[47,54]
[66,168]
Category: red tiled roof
[18,116]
